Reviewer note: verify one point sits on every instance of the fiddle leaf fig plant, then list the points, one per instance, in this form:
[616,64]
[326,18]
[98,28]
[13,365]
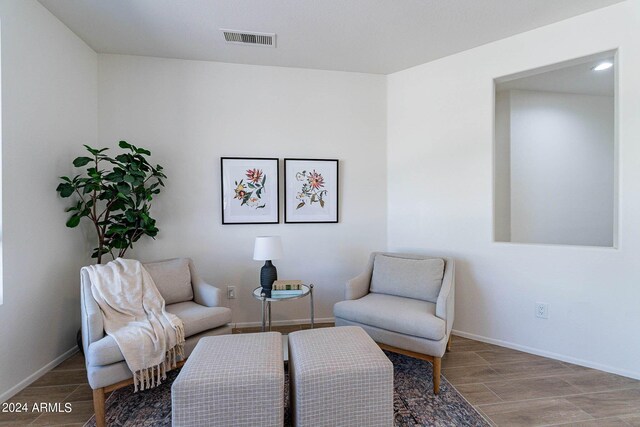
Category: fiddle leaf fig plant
[115,194]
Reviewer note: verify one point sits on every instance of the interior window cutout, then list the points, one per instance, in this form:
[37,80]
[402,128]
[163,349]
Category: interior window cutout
[555,154]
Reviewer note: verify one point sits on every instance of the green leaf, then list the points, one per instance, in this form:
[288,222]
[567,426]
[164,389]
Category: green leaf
[73,221]
[124,189]
[92,150]
[114,176]
[65,190]
[120,243]
[81,161]
[118,205]
[129,178]
[124,144]
[143,151]
[123,158]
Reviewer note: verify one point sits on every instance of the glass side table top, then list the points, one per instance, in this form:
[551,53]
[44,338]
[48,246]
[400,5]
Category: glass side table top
[257,294]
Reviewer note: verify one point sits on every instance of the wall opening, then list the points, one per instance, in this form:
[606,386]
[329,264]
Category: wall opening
[555,154]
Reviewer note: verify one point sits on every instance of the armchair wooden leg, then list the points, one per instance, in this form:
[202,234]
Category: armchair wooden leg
[449,344]
[436,375]
[98,407]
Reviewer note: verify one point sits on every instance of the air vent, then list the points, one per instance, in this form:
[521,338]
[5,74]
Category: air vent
[250,38]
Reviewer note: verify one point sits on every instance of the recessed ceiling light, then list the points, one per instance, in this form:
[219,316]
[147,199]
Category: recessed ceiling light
[603,66]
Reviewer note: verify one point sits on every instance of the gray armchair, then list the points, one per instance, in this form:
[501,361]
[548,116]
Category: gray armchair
[405,303]
[186,295]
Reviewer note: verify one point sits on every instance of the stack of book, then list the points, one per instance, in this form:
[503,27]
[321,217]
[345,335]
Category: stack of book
[286,288]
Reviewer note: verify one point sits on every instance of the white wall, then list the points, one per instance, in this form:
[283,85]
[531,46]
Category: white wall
[190,113]
[440,133]
[502,168]
[49,109]
[561,171]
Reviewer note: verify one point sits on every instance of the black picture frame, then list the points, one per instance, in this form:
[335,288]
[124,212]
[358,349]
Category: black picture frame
[250,190]
[311,191]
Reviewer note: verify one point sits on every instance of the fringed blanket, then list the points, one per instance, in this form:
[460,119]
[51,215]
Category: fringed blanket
[150,339]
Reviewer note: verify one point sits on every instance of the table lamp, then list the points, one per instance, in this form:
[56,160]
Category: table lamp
[267,248]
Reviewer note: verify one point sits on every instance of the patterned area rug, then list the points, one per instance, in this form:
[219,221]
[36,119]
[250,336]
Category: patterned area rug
[414,403]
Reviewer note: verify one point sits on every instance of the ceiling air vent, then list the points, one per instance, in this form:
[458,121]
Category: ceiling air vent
[250,38]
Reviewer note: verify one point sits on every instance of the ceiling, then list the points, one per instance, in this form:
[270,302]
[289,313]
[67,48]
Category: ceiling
[371,36]
[576,76]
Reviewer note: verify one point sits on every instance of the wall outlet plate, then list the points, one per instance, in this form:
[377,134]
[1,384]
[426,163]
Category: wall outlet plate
[542,310]
[231,292]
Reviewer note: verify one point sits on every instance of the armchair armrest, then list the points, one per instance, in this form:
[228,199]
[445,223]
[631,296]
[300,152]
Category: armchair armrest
[358,286]
[92,325]
[446,297]
[206,294]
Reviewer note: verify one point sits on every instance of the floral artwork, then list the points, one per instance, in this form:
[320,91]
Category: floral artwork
[249,190]
[311,190]
[250,193]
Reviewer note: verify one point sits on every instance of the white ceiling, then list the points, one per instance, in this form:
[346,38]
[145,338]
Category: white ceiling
[576,76]
[372,36]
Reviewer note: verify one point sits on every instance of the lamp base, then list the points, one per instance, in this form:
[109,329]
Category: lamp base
[268,275]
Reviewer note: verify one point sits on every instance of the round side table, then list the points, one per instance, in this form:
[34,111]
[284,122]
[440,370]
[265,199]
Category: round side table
[266,303]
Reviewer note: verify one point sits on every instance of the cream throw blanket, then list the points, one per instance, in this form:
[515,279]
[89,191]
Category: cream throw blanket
[133,310]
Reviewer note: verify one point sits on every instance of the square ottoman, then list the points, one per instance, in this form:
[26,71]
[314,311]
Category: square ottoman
[231,380]
[339,377]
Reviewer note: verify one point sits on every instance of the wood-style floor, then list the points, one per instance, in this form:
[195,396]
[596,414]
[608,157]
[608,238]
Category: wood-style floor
[508,387]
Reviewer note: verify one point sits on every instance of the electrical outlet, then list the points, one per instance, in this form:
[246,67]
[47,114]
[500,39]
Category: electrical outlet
[231,292]
[542,310]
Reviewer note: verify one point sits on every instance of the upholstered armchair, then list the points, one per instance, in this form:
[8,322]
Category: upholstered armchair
[186,295]
[405,303]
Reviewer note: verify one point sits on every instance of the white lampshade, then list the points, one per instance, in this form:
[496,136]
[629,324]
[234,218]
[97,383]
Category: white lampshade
[267,248]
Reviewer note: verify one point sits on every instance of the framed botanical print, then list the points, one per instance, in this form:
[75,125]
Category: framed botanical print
[249,190]
[311,190]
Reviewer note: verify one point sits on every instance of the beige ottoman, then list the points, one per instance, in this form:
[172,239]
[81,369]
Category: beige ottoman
[339,377]
[231,380]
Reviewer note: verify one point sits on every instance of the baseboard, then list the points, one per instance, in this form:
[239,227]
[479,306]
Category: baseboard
[549,354]
[36,375]
[284,322]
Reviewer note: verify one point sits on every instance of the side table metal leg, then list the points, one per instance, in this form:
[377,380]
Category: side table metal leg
[264,303]
[269,309]
[311,296]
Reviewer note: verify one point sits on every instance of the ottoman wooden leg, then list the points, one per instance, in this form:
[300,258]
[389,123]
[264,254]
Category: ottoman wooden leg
[98,407]
[436,375]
